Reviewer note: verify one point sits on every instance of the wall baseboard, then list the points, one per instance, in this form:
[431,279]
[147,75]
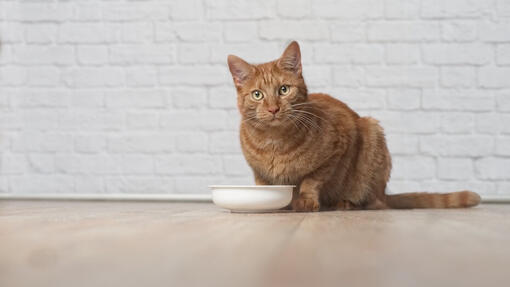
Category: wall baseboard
[175,197]
[111,197]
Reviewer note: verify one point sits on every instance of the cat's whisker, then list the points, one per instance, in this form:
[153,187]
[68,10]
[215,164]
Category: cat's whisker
[310,113]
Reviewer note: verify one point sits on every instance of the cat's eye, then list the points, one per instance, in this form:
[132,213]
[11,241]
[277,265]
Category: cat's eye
[283,90]
[257,95]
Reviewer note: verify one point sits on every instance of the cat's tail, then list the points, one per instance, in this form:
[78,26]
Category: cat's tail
[432,200]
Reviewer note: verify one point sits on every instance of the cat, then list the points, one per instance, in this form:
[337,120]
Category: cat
[336,159]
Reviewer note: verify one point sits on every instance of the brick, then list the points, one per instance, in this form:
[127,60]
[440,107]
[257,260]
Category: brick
[348,32]
[503,146]
[413,167]
[11,32]
[404,99]
[195,184]
[87,98]
[491,123]
[294,8]
[349,9]
[37,141]
[187,164]
[302,29]
[89,184]
[236,165]
[141,143]
[40,33]
[142,120]
[92,77]
[186,10]
[402,144]
[237,10]
[350,53]
[203,120]
[135,11]
[96,120]
[348,76]
[13,164]
[135,184]
[455,168]
[189,97]
[13,76]
[457,145]
[402,31]
[223,97]
[44,55]
[503,8]
[225,142]
[494,77]
[90,33]
[105,164]
[92,54]
[139,98]
[317,76]
[408,122]
[196,76]
[88,11]
[503,54]
[191,142]
[493,168]
[402,54]
[459,31]
[494,32]
[413,77]
[361,99]
[503,101]
[451,54]
[89,143]
[165,32]
[41,184]
[38,119]
[41,163]
[137,32]
[457,123]
[42,11]
[235,32]
[142,54]
[459,100]
[458,77]
[193,54]
[144,76]
[401,9]
[455,8]
[43,77]
[253,53]
[198,32]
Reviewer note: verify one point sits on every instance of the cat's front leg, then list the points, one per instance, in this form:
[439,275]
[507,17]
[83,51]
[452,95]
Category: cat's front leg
[259,180]
[308,196]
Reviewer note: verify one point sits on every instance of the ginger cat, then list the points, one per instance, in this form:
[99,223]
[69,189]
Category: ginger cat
[336,159]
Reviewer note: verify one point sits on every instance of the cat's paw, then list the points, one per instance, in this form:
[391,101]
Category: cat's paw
[306,204]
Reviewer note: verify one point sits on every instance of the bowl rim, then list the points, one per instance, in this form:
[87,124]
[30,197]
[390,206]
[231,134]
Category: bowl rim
[248,186]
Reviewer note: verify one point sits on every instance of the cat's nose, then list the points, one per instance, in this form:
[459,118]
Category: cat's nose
[273,109]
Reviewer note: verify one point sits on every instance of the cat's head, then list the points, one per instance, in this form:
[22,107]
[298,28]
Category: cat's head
[268,93]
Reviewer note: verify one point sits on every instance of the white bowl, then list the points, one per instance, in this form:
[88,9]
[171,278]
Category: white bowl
[252,198]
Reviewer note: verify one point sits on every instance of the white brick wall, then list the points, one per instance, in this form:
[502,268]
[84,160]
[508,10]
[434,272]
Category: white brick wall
[135,96]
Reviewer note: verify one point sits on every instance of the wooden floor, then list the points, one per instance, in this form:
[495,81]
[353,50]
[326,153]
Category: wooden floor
[45,243]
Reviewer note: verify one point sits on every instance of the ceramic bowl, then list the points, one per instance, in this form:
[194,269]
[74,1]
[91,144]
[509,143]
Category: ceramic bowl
[252,198]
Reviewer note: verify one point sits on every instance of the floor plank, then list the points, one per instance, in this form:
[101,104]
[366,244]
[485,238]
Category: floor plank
[59,243]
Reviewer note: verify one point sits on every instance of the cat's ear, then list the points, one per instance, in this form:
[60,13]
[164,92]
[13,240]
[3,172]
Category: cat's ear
[291,58]
[239,69]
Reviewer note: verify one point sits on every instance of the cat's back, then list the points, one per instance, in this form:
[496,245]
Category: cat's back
[333,109]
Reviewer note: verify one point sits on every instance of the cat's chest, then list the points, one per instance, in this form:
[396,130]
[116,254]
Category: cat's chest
[277,162]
